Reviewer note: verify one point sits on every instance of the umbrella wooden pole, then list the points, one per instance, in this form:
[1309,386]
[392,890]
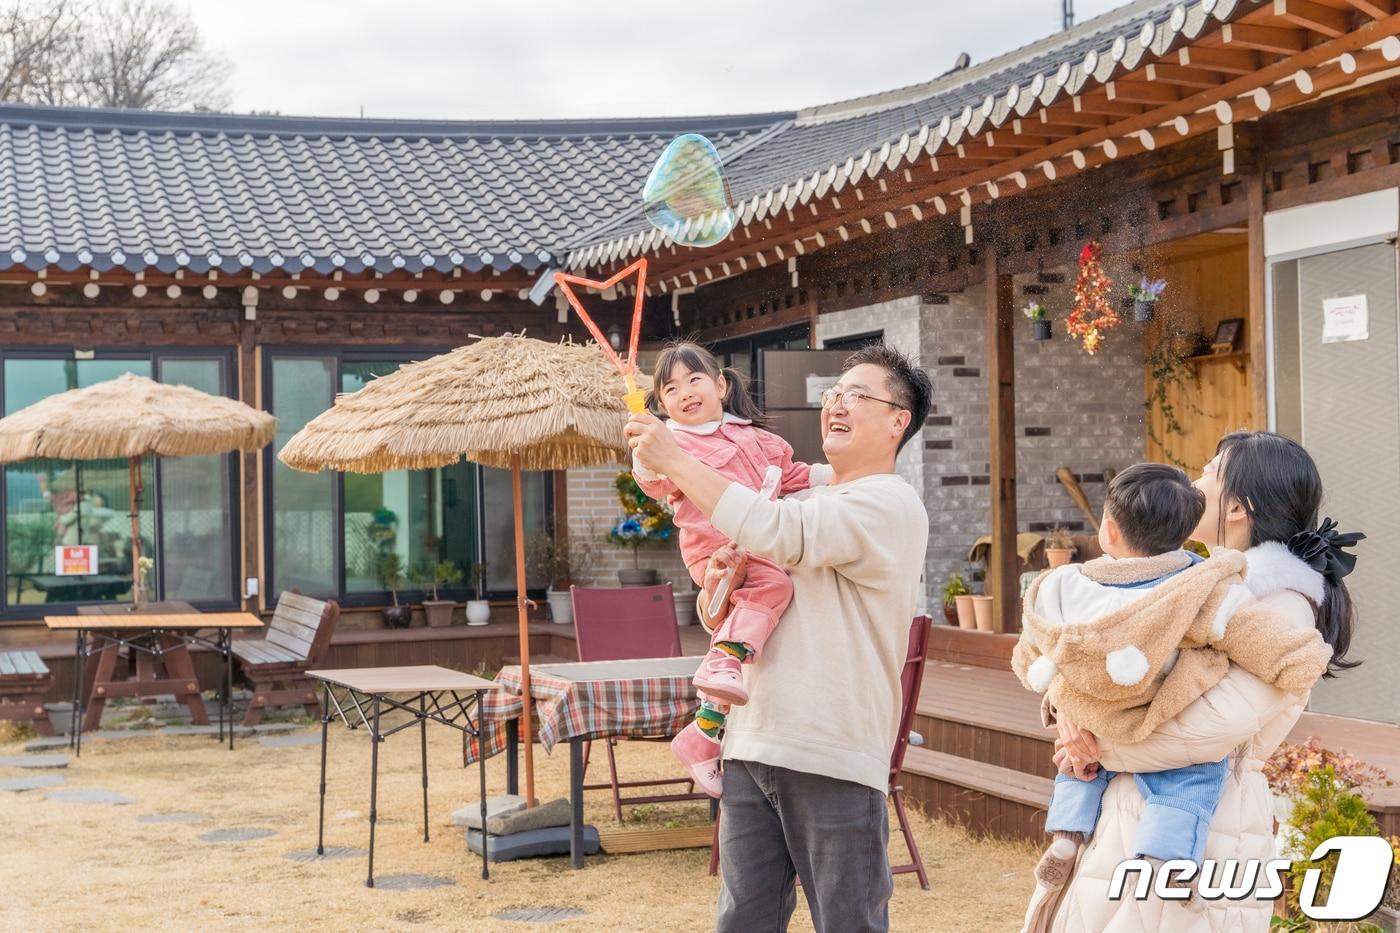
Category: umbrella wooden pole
[134,475]
[527,731]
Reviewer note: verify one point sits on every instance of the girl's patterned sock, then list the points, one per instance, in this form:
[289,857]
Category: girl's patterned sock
[710,718]
[737,648]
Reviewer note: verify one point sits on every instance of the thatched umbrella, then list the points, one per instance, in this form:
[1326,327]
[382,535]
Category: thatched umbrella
[510,402]
[132,417]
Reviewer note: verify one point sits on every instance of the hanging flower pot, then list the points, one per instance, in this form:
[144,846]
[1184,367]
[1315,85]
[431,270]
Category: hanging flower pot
[1145,295]
[1040,320]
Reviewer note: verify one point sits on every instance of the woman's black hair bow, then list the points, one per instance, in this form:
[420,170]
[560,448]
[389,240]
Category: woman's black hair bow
[1321,549]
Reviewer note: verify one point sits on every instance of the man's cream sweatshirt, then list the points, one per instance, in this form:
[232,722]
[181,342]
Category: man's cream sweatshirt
[825,698]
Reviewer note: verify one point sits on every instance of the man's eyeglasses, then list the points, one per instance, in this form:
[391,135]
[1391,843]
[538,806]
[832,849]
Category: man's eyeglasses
[850,397]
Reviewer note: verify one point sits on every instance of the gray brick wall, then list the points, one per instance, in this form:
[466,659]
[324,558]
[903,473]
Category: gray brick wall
[593,509]
[1072,409]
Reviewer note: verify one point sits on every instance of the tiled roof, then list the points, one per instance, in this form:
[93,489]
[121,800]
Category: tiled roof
[828,147]
[138,190]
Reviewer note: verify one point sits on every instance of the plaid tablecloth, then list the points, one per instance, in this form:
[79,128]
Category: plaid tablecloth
[592,700]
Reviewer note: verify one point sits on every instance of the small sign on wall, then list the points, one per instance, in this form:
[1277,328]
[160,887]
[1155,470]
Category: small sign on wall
[816,385]
[75,560]
[1345,319]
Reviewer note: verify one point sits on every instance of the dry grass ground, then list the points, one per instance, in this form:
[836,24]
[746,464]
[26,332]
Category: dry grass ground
[66,866]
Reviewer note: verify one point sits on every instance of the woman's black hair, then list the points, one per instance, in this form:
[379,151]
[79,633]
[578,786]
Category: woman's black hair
[1277,484]
[737,401]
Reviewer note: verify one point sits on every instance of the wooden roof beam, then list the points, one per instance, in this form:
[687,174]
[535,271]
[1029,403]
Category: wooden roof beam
[1102,105]
[1309,14]
[1264,38]
[1066,121]
[1143,92]
[1376,9]
[1019,141]
[1182,76]
[1234,61]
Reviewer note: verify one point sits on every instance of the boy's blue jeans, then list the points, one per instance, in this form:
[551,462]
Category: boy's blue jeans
[1176,816]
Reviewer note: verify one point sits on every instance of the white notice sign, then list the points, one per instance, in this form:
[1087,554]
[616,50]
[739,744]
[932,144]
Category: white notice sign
[1344,319]
[816,385]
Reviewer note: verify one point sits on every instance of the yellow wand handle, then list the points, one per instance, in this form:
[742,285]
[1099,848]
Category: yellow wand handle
[635,399]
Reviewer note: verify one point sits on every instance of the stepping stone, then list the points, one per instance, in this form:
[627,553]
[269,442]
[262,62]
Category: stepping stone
[411,882]
[171,818]
[268,728]
[540,914]
[114,735]
[311,855]
[34,761]
[33,782]
[92,795]
[237,834]
[533,844]
[46,743]
[470,815]
[190,730]
[287,741]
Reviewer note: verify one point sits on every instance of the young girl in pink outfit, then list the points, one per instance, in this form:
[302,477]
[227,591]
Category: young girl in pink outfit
[715,421]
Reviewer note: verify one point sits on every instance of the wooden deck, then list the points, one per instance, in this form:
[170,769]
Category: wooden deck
[986,759]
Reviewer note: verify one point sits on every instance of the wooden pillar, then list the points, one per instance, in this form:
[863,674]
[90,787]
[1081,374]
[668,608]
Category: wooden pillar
[251,524]
[1003,566]
[1258,270]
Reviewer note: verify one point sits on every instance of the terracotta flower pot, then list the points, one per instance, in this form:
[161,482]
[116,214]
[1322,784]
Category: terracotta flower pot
[967,617]
[982,609]
[439,612]
[1058,556]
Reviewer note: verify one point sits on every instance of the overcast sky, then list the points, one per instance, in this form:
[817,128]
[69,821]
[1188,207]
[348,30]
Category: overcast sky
[530,59]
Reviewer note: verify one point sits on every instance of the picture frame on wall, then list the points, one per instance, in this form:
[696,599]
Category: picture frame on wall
[1227,335]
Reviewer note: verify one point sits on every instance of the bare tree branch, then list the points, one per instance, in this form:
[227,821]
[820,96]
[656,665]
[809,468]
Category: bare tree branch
[143,54]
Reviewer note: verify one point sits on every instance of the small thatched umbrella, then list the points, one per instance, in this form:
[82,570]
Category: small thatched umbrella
[132,417]
[510,402]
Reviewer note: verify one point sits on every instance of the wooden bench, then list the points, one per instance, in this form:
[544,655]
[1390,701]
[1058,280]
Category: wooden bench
[276,665]
[24,680]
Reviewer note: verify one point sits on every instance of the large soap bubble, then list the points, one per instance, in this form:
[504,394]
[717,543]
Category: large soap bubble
[686,195]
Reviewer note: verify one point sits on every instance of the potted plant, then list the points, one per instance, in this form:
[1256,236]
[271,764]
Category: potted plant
[390,571]
[1145,295]
[1040,320]
[432,577]
[982,611]
[644,522]
[478,608]
[955,587]
[561,566]
[1059,547]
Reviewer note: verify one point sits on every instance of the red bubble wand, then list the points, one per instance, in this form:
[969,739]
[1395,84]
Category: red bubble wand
[635,398]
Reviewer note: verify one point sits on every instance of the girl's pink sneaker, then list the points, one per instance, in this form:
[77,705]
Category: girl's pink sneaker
[700,754]
[721,676]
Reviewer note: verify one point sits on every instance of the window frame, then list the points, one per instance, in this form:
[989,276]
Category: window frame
[367,598]
[155,356]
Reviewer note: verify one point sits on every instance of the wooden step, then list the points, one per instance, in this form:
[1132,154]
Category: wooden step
[984,797]
[623,841]
[983,715]
[963,646]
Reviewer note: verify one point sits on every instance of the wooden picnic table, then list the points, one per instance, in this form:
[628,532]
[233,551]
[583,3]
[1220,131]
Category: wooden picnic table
[580,701]
[427,693]
[158,636]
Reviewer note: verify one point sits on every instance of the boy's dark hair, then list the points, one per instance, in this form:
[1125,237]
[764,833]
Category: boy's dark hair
[909,385]
[1155,506]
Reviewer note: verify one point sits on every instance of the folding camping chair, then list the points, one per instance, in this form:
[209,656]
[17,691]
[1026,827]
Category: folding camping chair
[621,624]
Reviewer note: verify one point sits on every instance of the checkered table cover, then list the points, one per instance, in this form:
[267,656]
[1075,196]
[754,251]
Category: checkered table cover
[592,700]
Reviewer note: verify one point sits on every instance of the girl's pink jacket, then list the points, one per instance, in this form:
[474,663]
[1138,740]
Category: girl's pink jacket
[737,450]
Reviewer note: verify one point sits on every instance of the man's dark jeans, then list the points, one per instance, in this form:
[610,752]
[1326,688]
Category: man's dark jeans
[779,825]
